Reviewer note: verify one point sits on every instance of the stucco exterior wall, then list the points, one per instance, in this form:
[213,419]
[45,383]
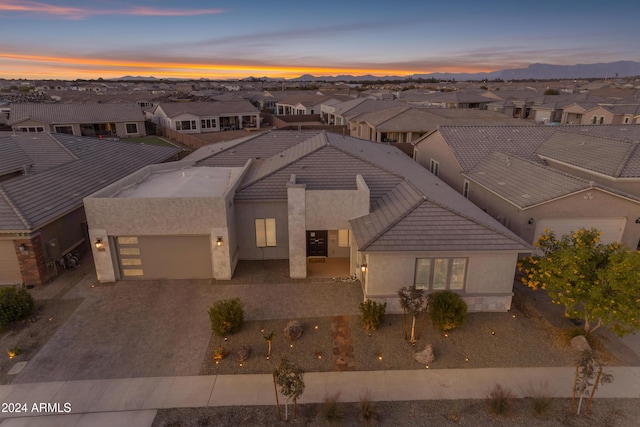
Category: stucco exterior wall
[332,209]
[488,285]
[434,147]
[246,213]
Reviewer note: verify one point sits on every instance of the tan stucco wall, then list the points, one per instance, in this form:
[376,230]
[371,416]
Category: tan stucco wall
[246,213]
[332,209]
[488,285]
[434,147]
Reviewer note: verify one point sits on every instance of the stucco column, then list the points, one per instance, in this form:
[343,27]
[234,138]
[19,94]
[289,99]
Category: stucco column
[296,211]
[102,258]
[221,259]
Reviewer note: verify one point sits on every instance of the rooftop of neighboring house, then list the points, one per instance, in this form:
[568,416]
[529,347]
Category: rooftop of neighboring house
[406,200]
[59,170]
[76,113]
[203,109]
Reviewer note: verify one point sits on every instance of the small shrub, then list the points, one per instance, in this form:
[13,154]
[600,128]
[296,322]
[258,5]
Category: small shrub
[372,314]
[13,352]
[500,399]
[541,398]
[293,330]
[331,410]
[15,304]
[219,353]
[369,415]
[227,316]
[447,310]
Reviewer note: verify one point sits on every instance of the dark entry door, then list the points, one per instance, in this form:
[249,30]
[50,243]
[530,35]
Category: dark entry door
[317,243]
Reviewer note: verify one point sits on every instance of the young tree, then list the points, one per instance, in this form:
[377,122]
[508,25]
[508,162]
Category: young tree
[584,385]
[599,283]
[290,380]
[269,340]
[414,302]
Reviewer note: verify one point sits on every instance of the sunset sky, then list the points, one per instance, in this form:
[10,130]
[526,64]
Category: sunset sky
[87,39]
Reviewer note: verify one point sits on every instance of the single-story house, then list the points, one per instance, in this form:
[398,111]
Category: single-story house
[531,178]
[43,178]
[310,198]
[202,117]
[124,120]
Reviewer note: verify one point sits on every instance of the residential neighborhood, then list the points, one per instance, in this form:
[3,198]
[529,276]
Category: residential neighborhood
[128,209]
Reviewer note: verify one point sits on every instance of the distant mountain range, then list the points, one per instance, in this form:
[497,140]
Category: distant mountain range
[533,71]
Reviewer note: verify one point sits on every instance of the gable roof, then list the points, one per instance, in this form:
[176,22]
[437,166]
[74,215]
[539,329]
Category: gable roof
[76,113]
[41,197]
[202,109]
[13,158]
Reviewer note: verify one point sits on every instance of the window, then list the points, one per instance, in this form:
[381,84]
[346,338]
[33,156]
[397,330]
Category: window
[437,274]
[265,232]
[186,125]
[64,129]
[465,189]
[601,120]
[434,167]
[32,129]
[132,127]
[626,120]
[594,120]
[344,238]
[208,123]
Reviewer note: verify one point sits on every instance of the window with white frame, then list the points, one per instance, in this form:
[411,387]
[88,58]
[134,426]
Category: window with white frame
[265,232]
[465,189]
[131,128]
[434,167]
[344,238]
[64,129]
[208,123]
[435,274]
[32,129]
[186,125]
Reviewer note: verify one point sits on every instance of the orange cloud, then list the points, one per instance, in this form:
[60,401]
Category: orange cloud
[78,13]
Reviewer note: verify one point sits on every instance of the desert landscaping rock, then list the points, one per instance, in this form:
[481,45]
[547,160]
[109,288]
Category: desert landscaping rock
[426,356]
[580,344]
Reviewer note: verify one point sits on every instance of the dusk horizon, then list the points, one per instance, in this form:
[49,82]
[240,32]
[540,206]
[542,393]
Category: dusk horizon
[88,39]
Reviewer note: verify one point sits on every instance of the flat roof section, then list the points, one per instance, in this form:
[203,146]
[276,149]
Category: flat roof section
[200,181]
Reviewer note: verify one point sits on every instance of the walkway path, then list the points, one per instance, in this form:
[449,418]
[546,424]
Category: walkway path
[133,401]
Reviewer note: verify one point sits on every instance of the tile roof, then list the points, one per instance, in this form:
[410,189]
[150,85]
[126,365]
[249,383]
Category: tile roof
[44,149]
[45,196]
[521,182]
[76,113]
[13,157]
[598,154]
[397,185]
[204,109]
[305,99]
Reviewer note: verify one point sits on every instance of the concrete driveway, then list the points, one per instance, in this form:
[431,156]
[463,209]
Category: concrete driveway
[159,328]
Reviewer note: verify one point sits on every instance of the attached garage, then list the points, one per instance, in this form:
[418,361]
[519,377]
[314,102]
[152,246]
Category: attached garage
[611,228]
[9,267]
[164,257]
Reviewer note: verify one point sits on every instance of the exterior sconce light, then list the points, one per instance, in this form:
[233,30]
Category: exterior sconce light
[219,242]
[99,244]
[530,221]
[363,268]
[22,248]
[638,221]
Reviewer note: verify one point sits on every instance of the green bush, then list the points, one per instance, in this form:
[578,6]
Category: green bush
[15,304]
[372,314]
[447,310]
[227,316]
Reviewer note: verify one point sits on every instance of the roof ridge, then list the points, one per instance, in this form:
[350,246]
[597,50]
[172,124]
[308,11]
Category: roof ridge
[15,209]
[536,164]
[421,199]
[62,145]
[256,135]
[364,159]
[625,160]
[314,148]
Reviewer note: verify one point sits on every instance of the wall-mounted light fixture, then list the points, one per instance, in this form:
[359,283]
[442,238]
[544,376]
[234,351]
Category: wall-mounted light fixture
[363,268]
[22,248]
[530,221]
[219,242]
[638,221]
[99,244]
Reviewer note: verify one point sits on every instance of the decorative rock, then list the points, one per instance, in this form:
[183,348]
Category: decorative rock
[293,330]
[425,356]
[580,344]
[244,353]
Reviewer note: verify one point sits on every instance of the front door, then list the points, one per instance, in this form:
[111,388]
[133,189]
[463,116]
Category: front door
[317,243]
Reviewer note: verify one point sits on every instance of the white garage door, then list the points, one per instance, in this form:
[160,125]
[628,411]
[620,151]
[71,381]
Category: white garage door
[9,267]
[611,228]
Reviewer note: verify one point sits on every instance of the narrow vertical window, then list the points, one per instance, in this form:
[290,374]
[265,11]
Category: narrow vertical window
[265,232]
[434,167]
[465,189]
[344,238]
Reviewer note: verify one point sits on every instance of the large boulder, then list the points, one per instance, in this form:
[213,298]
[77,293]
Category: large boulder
[425,356]
[579,343]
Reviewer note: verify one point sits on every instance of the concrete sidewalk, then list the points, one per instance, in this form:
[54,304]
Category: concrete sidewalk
[134,401]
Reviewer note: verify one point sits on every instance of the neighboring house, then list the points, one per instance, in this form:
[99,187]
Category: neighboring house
[43,178]
[303,196]
[202,117]
[303,104]
[124,120]
[556,177]
[572,114]
[611,114]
